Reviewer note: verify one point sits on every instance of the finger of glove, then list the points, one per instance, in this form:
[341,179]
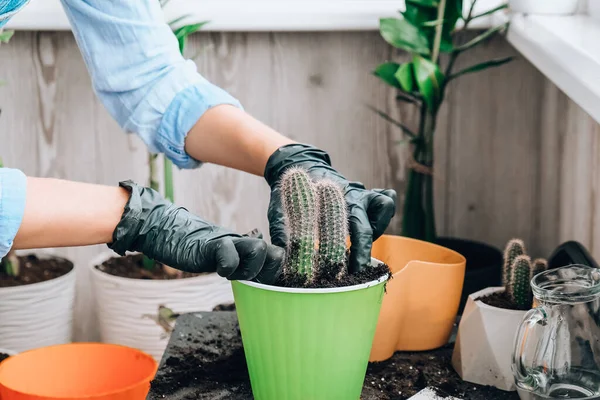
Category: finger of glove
[222,253]
[361,236]
[252,253]
[380,209]
[276,220]
[273,265]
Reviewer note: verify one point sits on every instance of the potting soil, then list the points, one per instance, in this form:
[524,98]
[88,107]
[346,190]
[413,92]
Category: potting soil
[3,356]
[132,266]
[500,300]
[205,360]
[34,270]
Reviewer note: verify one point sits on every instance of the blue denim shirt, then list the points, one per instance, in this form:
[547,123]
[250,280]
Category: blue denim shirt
[139,75]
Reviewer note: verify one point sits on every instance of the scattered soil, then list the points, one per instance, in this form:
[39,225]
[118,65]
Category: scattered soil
[3,357]
[132,266]
[327,277]
[225,307]
[35,270]
[205,360]
[500,300]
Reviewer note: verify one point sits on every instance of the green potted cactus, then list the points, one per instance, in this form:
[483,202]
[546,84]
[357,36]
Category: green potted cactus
[309,336]
[484,344]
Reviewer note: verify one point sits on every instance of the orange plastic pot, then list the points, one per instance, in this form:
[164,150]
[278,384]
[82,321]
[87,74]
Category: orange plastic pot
[77,371]
[422,298]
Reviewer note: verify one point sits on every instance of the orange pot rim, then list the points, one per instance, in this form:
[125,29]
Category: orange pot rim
[83,344]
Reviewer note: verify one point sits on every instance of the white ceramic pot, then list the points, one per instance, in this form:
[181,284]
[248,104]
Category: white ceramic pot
[544,7]
[485,341]
[127,309]
[37,315]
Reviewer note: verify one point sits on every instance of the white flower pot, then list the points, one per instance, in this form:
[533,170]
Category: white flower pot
[485,340]
[37,315]
[127,309]
[544,7]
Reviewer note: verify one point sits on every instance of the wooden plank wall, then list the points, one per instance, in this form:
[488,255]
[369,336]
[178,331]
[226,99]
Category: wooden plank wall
[514,156]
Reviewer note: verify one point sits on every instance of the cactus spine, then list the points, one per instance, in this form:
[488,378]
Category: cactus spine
[539,265]
[514,249]
[333,226]
[298,196]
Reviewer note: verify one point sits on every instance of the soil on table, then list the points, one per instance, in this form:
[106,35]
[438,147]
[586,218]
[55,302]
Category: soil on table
[327,276]
[3,357]
[132,266]
[34,270]
[500,300]
[205,361]
[225,307]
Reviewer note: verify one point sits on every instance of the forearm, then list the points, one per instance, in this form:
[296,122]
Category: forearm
[60,213]
[226,135]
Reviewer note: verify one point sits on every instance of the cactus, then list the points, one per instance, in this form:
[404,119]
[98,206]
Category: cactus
[539,265]
[333,226]
[518,287]
[514,249]
[298,196]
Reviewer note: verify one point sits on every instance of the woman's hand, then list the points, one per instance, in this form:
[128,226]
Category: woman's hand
[370,211]
[173,236]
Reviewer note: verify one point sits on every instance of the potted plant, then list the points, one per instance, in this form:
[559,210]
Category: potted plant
[36,295]
[487,330]
[309,335]
[544,7]
[132,292]
[427,30]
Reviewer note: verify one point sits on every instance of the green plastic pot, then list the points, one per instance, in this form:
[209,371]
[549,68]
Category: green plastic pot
[307,344]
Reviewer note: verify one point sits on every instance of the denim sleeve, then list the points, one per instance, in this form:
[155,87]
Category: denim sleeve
[13,187]
[139,74]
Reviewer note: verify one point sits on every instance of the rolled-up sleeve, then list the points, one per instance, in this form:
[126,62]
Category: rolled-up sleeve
[13,188]
[139,74]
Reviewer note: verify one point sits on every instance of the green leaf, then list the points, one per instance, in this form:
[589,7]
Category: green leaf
[417,14]
[483,37]
[386,73]
[403,35]
[1,163]
[407,98]
[5,36]
[406,76]
[423,3]
[406,130]
[430,81]
[182,33]
[482,66]
[433,23]
[492,11]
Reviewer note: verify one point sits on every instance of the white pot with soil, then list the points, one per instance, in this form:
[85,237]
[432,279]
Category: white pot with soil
[544,7]
[36,306]
[128,307]
[485,340]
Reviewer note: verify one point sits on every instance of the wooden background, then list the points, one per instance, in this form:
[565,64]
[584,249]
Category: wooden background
[515,157]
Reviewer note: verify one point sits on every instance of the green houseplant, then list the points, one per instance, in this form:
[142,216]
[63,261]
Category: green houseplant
[310,336]
[37,295]
[427,30]
[133,292]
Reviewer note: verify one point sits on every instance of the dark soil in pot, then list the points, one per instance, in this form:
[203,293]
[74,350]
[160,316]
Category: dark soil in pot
[35,270]
[500,300]
[205,360]
[484,265]
[132,266]
[3,357]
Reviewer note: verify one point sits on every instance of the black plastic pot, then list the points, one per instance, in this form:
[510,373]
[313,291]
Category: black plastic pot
[484,265]
[571,252]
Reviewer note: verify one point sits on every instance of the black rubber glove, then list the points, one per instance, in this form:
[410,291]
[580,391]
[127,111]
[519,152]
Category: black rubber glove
[370,211]
[173,236]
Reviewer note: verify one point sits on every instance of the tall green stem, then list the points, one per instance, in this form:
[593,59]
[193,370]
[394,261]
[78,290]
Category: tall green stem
[153,172]
[169,193]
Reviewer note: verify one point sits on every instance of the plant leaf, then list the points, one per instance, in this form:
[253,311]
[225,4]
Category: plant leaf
[423,3]
[386,73]
[407,98]
[405,129]
[5,36]
[182,33]
[430,81]
[401,34]
[482,66]
[406,76]
[483,37]
[417,14]
[433,23]
[492,11]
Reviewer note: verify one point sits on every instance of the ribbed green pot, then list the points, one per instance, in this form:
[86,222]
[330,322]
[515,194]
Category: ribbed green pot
[307,344]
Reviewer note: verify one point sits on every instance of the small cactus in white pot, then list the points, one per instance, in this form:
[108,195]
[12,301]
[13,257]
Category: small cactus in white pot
[291,332]
[483,349]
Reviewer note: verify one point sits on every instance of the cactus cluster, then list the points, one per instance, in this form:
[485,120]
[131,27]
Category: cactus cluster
[517,272]
[317,225]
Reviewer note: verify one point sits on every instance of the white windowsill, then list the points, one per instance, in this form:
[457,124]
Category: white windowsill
[251,15]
